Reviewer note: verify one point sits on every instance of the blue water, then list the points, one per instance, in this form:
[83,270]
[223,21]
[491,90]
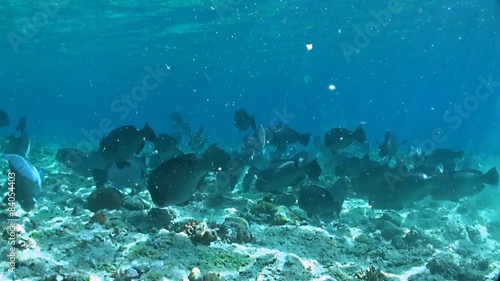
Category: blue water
[85,55]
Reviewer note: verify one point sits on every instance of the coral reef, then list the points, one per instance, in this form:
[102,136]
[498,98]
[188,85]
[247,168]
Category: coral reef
[235,230]
[162,218]
[203,235]
[267,212]
[371,274]
[104,198]
[74,234]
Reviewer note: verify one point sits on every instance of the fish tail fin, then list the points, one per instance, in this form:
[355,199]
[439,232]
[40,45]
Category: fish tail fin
[339,190]
[100,177]
[21,126]
[491,177]
[148,133]
[314,169]
[304,139]
[252,123]
[359,134]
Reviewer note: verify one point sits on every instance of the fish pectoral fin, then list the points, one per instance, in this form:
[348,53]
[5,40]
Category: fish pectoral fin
[200,182]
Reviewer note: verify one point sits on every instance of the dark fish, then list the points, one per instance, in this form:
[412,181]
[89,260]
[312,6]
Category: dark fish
[176,117]
[281,136]
[176,180]
[325,203]
[389,148]
[346,165]
[429,170]
[445,157]
[368,179]
[19,145]
[459,184]
[131,176]
[402,191]
[435,161]
[123,143]
[284,173]
[80,162]
[4,119]
[182,127]
[166,147]
[197,140]
[339,138]
[242,120]
[28,181]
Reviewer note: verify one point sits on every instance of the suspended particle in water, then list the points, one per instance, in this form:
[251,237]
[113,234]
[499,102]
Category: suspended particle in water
[331,87]
[309,47]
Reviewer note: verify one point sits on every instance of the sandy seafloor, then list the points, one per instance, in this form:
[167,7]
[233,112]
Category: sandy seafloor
[62,240]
